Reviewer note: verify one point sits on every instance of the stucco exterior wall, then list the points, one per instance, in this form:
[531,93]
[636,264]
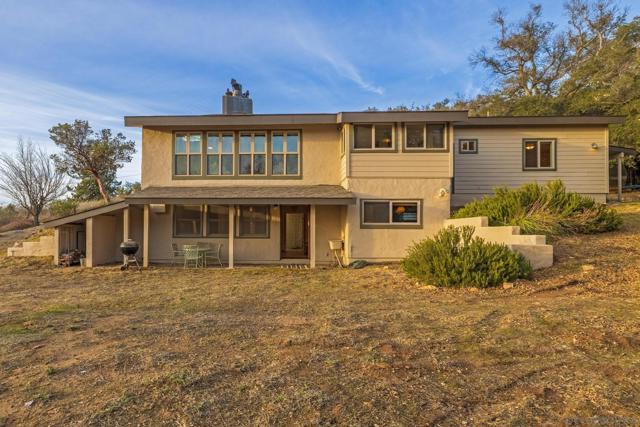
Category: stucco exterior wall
[390,244]
[499,160]
[102,240]
[320,161]
[246,250]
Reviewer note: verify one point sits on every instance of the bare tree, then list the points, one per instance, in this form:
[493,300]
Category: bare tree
[30,178]
[528,57]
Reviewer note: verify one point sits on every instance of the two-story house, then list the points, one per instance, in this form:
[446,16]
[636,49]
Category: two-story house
[276,188]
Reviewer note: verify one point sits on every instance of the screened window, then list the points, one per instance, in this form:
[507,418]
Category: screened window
[376,137]
[252,153]
[468,146]
[414,135]
[253,221]
[188,154]
[539,154]
[219,153]
[217,221]
[285,153]
[187,220]
[435,136]
[390,212]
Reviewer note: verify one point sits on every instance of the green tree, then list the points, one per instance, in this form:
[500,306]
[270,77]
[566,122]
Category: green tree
[87,188]
[89,153]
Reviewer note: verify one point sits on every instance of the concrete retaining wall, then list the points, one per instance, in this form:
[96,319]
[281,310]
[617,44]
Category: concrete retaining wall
[532,247]
[43,247]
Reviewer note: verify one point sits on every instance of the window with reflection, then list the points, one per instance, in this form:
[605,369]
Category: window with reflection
[285,153]
[539,154]
[390,212]
[252,152]
[187,220]
[373,137]
[219,153]
[217,221]
[253,221]
[188,154]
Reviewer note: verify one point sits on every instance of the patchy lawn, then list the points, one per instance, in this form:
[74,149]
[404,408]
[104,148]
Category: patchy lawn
[297,347]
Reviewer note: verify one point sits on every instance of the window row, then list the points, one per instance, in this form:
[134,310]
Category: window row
[254,154]
[390,212]
[252,221]
[537,154]
[417,136]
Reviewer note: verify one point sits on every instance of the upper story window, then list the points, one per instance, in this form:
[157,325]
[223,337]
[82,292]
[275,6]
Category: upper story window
[539,154]
[285,153]
[219,153]
[188,154]
[468,146]
[373,137]
[252,154]
[425,136]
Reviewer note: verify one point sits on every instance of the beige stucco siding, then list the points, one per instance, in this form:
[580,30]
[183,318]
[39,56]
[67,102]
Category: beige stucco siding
[246,250]
[499,159]
[320,162]
[389,244]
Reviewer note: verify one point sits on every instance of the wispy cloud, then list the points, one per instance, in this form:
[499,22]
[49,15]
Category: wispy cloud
[30,106]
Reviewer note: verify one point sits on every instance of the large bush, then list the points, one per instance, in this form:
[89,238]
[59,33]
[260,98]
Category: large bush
[544,209]
[454,258]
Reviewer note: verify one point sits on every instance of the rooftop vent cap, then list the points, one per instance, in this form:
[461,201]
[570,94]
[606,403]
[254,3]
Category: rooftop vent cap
[235,101]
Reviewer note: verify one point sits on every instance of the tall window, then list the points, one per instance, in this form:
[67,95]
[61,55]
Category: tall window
[539,154]
[285,153]
[425,136]
[253,221]
[187,220]
[253,151]
[188,154]
[217,221]
[390,212]
[219,153]
[376,137]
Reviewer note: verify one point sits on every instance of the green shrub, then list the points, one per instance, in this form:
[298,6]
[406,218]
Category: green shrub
[544,209]
[454,258]
[63,207]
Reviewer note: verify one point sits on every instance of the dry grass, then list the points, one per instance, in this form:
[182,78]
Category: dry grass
[298,347]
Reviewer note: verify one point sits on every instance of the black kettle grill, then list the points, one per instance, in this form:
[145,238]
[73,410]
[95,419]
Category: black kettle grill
[129,249]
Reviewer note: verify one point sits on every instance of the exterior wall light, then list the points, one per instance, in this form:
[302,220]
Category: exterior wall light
[595,146]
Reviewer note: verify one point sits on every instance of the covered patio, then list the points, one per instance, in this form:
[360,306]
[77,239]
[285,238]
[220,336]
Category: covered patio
[252,224]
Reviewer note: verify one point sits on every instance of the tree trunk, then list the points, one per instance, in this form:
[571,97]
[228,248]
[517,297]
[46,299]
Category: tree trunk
[36,219]
[103,192]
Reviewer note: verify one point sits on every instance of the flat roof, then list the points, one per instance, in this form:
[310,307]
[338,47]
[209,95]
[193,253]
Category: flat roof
[113,206]
[540,120]
[245,194]
[295,119]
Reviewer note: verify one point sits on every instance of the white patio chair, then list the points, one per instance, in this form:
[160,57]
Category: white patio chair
[176,254]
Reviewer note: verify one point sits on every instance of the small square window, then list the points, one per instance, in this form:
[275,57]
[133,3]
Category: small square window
[468,146]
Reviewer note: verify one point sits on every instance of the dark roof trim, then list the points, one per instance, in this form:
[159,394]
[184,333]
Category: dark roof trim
[86,214]
[295,119]
[244,201]
[541,120]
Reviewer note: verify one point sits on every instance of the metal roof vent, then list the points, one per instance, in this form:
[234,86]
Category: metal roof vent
[234,101]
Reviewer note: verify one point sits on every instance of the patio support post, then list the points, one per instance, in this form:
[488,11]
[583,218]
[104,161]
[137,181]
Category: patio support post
[125,228]
[145,237]
[312,236]
[56,245]
[232,217]
[88,232]
[620,157]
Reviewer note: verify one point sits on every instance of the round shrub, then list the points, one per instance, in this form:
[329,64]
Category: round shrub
[454,258]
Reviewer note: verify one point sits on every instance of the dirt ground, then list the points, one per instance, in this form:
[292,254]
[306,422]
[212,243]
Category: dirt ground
[270,346]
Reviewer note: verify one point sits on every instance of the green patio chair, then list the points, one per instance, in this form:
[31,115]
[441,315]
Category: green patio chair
[191,255]
[176,254]
[213,253]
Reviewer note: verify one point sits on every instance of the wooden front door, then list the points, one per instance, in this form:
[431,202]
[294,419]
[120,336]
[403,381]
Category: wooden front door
[294,232]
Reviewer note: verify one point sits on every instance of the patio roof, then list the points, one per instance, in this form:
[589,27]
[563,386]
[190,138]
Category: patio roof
[114,206]
[240,194]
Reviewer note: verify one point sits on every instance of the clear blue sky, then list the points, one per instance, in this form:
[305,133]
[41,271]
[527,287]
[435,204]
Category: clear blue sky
[100,60]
